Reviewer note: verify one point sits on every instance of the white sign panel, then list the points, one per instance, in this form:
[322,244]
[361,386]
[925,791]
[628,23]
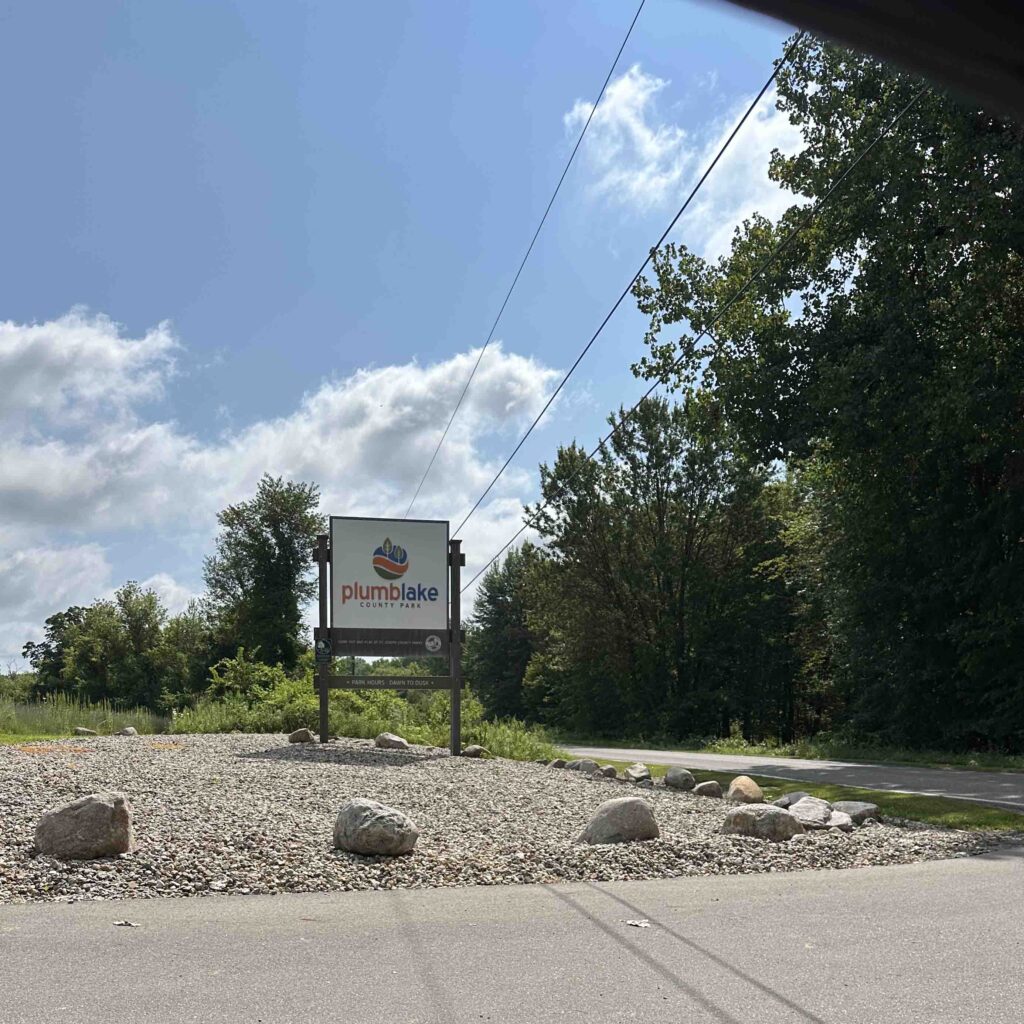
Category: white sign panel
[389,573]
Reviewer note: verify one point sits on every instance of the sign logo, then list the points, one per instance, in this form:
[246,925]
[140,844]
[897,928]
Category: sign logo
[390,561]
[433,643]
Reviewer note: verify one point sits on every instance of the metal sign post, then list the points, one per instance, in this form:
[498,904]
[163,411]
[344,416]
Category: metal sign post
[360,615]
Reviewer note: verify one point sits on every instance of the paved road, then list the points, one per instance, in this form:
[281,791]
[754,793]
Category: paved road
[920,944]
[1003,789]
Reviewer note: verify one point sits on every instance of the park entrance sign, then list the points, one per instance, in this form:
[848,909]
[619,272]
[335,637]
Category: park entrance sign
[389,588]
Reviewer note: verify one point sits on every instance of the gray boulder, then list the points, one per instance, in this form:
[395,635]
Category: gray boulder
[558,762]
[637,772]
[679,778]
[128,730]
[840,821]
[625,819]
[644,784]
[475,750]
[788,799]
[302,736]
[858,810]
[812,812]
[584,765]
[745,790]
[762,821]
[98,825]
[371,828]
[389,741]
[608,770]
[80,730]
[711,788]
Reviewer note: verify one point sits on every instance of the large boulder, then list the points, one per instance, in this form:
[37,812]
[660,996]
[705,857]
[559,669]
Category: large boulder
[625,819]
[128,730]
[98,825]
[679,778]
[711,788]
[762,821]
[80,730]
[812,812]
[858,810]
[475,750]
[745,790]
[637,772]
[371,828]
[584,765]
[389,741]
[558,762]
[302,736]
[788,799]
[609,771]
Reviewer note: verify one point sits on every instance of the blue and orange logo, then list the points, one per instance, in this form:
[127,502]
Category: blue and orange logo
[390,561]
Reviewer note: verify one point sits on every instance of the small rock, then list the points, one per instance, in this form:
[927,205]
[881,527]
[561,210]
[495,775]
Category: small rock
[371,828]
[608,770]
[80,730]
[835,831]
[585,765]
[644,784]
[858,810]
[475,750]
[788,799]
[637,772]
[840,820]
[712,788]
[869,823]
[679,778]
[558,762]
[98,825]
[812,812]
[762,821]
[128,730]
[389,741]
[541,760]
[625,819]
[745,790]
[302,736]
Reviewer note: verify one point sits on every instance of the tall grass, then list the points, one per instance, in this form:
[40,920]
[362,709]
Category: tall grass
[59,715]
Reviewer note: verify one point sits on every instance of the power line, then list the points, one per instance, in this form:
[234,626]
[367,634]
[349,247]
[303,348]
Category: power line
[643,266]
[808,215]
[529,249]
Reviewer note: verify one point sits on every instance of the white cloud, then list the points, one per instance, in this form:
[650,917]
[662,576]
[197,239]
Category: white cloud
[642,162]
[365,439]
[173,595]
[37,581]
[77,365]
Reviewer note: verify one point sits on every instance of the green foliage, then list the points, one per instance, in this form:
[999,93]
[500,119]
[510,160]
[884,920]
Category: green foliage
[261,575]
[59,715]
[881,357]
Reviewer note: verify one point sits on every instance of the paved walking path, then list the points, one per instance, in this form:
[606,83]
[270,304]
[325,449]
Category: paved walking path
[924,943]
[1003,789]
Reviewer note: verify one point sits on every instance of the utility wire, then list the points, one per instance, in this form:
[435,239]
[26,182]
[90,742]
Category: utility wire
[808,215]
[529,249]
[643,266]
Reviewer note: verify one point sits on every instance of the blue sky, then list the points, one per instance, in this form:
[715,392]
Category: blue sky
[261,236]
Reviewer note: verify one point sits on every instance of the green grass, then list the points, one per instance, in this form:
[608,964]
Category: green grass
[935,810]
[59,716]
[823,747]
[10,738]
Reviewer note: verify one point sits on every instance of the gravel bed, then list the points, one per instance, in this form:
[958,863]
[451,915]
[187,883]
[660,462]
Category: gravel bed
[254,814]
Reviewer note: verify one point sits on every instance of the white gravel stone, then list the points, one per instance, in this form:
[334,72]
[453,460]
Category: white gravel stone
[254,814]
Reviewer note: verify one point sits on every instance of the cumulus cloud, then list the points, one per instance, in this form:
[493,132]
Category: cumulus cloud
[77,365]
[115,473]
[640,161]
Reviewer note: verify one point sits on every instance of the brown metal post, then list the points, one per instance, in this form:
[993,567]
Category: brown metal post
[455,646]
[323,669]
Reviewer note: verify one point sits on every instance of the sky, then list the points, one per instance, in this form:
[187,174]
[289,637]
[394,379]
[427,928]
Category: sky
[257,237]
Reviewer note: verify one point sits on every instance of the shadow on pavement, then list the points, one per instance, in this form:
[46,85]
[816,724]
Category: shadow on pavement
[800,1011]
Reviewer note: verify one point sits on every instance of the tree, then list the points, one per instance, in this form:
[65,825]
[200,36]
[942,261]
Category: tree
[880,356]
[260,577]
[47,656]
[499,644]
